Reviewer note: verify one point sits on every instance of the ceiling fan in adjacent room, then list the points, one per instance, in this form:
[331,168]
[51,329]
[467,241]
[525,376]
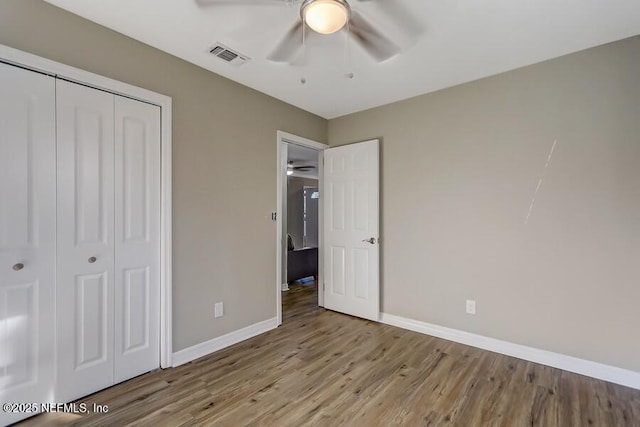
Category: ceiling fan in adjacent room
[304,168]
[329,16]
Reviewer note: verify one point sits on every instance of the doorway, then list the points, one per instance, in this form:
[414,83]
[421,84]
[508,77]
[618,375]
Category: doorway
[299,223]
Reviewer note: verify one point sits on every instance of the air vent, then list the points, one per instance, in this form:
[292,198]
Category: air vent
[228,55]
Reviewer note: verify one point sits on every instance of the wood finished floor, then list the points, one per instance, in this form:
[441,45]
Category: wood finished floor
[322,368]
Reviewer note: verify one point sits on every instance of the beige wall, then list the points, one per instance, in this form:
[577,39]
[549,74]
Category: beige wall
[460,168]
[224,164]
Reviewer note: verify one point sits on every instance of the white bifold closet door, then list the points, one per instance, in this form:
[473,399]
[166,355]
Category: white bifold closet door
[137,238]
[85,276]
[27,237]
[108,161]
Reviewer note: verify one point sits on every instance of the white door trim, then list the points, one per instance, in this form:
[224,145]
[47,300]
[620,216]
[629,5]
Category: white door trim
[29,61]
[281,203]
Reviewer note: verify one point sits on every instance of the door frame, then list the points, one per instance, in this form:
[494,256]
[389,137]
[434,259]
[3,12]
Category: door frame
[283,140]
[38,64]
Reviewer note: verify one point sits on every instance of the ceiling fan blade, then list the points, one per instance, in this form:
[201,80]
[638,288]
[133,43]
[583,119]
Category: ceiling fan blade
[289,45]
[400,16]
[373,41]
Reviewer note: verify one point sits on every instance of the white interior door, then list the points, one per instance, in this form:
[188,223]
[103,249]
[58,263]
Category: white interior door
[85,275]
[137,238]
[351,229]
[27,237]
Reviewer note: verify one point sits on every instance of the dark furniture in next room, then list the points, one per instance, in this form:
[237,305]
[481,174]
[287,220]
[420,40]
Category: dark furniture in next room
[301,262]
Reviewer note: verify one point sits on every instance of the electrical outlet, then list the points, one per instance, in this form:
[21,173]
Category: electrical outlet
[471,306]
[219,309]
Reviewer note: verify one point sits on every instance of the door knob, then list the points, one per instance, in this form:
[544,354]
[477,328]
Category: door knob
[371,240]
[19,266]
[92,260]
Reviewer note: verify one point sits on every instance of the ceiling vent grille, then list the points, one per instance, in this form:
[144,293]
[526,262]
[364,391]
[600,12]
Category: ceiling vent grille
[228,55]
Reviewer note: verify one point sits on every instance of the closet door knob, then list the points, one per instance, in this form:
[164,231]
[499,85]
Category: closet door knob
[19,266]
[92,260]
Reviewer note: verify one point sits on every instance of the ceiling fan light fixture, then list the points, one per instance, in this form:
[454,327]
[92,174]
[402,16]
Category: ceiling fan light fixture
[325,16]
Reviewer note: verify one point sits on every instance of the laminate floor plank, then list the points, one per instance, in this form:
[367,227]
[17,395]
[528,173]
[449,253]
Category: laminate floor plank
[322,368]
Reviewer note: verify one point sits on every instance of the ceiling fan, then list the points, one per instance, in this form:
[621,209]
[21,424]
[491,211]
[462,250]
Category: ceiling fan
[291,168]
[329,16]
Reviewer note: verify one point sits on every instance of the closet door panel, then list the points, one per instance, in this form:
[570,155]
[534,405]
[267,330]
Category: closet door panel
[85,158]
[27,237]
[137,238]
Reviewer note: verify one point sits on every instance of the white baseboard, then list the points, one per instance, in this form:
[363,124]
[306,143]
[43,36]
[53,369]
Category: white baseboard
[556,360]
[199,350]
[285,286]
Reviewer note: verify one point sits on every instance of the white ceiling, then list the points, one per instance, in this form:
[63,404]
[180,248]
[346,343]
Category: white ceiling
[463,40]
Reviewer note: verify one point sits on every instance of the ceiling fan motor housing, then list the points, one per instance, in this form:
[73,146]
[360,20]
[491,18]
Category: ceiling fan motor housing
[325,16]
